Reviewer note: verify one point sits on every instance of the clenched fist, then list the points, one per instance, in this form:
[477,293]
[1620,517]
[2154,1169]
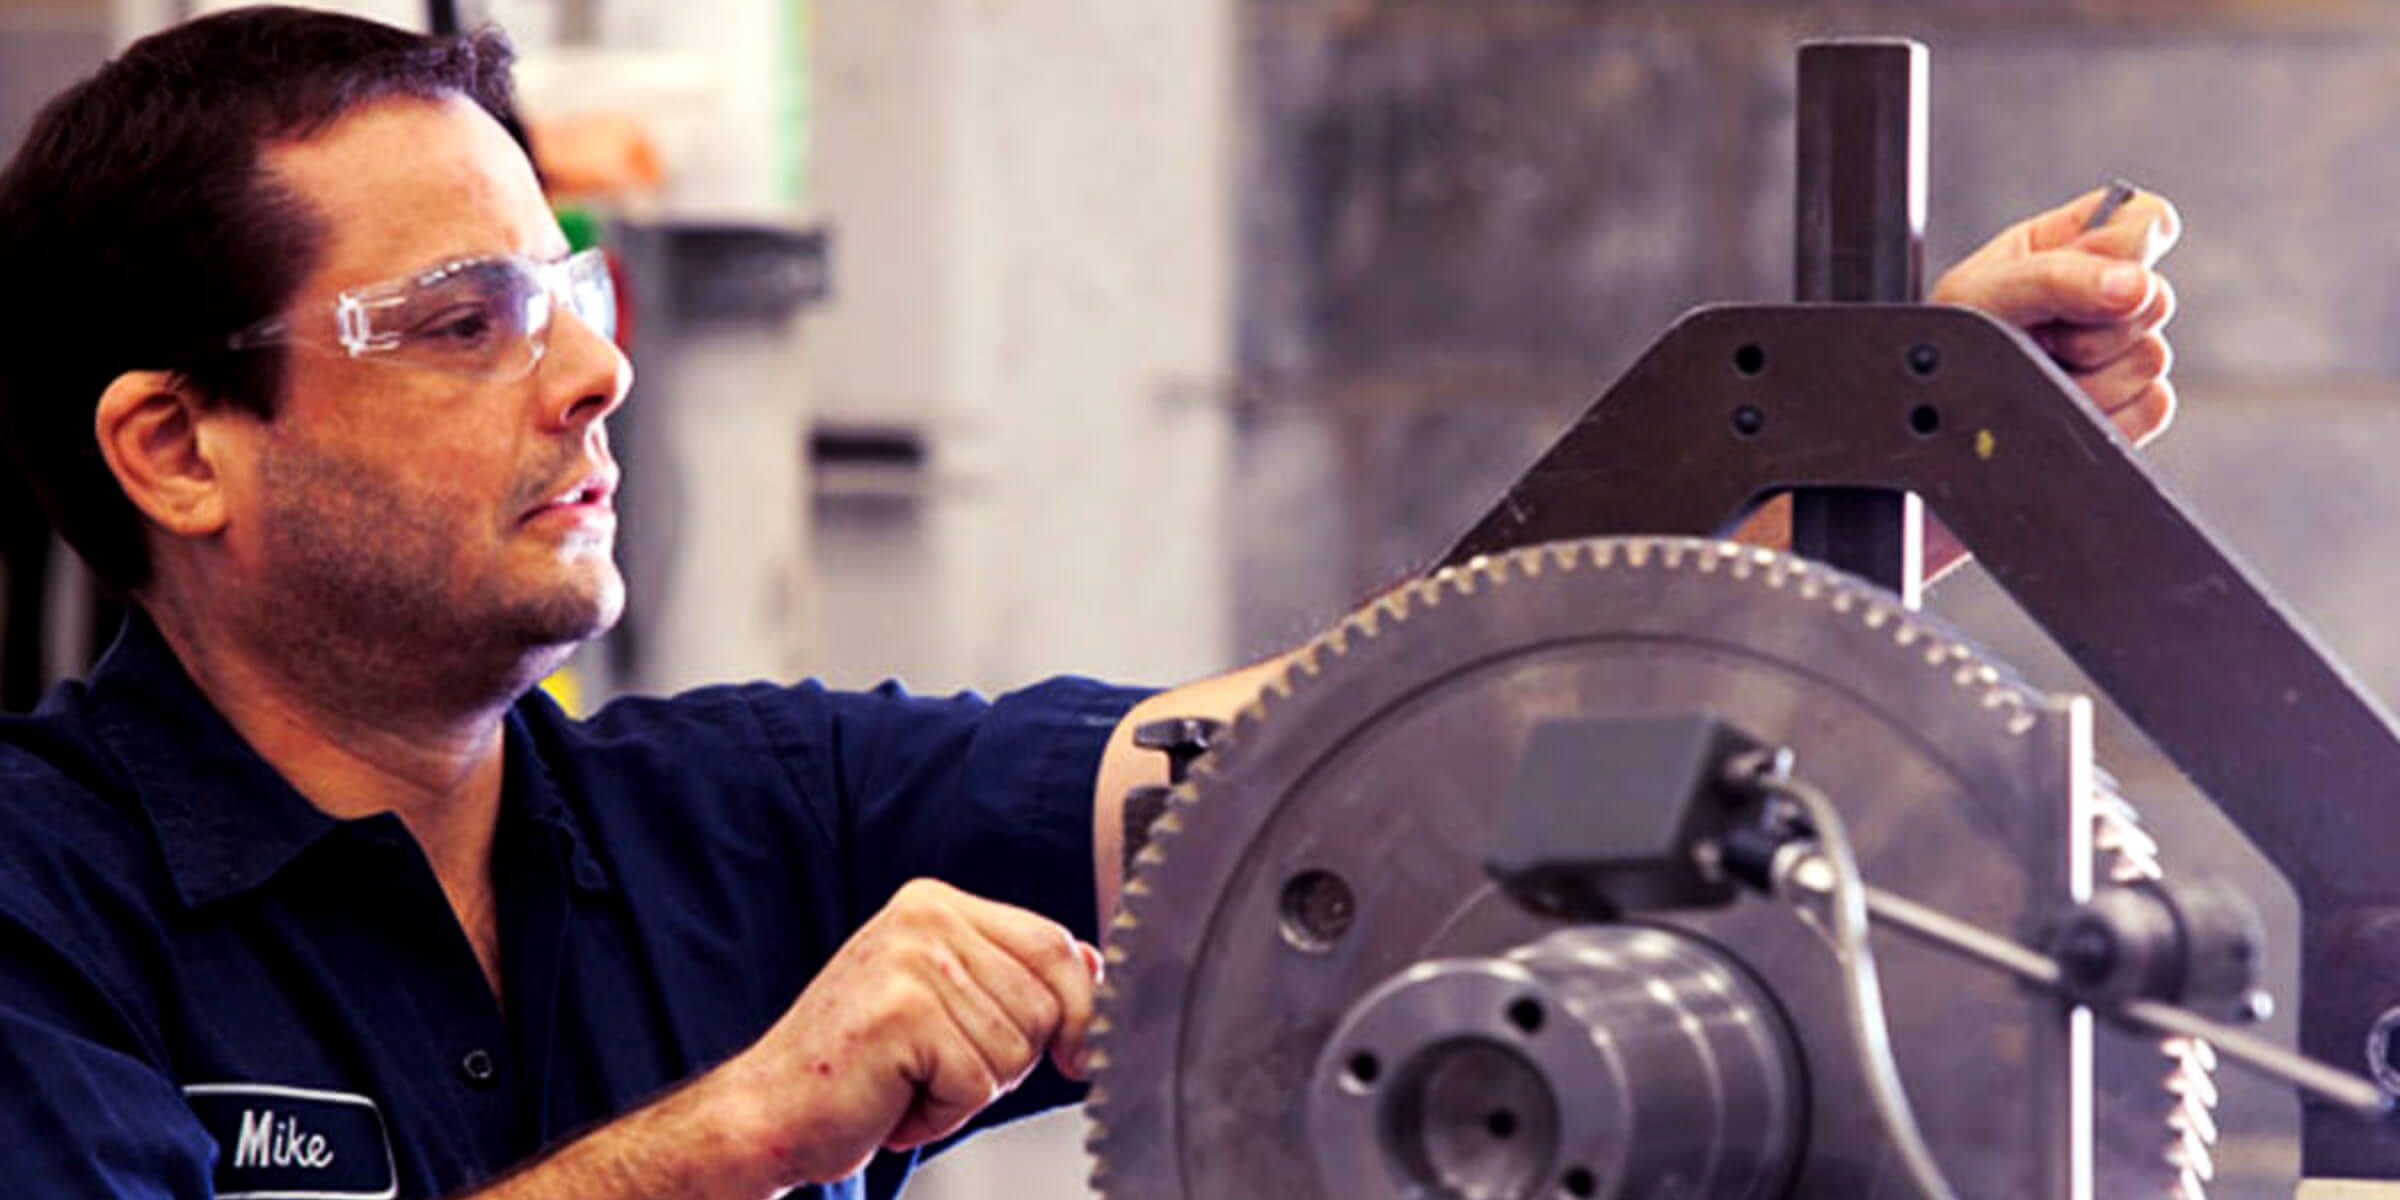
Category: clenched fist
[935,1008]
[2092,298]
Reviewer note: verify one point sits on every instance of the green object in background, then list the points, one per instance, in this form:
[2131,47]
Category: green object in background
[580,224]
[792,104]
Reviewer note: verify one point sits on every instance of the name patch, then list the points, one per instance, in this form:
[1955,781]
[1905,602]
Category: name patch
[288,1143]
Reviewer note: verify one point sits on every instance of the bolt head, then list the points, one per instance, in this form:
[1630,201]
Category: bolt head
[2256,1007]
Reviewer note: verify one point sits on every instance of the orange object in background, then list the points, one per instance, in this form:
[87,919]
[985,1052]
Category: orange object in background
[596,155]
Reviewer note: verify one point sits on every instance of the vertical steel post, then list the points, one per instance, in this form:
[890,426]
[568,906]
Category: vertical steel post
[1860,238]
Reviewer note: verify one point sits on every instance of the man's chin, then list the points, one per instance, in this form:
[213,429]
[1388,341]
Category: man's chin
[571,616]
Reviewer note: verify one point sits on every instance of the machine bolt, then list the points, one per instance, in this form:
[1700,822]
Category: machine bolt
[2088,954]
[2256,1007]
[1184,739]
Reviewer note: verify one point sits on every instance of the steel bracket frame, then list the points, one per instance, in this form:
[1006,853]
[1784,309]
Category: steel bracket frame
[1738,403]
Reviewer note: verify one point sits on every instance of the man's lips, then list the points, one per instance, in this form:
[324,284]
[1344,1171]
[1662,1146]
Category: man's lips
[595,492]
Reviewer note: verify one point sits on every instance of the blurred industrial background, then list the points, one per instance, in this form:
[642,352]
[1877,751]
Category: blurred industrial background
[1137,337]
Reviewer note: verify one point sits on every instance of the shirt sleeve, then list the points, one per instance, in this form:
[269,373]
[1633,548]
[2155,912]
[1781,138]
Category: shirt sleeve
[83,1114]
[991,796]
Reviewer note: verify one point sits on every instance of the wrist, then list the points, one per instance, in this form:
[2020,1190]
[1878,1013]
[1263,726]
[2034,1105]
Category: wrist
[743,1137]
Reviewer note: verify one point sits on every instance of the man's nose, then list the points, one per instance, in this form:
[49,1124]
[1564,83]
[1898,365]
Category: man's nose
[585,377]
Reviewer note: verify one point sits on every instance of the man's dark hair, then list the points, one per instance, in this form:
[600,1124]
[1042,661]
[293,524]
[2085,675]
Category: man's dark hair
[139,231]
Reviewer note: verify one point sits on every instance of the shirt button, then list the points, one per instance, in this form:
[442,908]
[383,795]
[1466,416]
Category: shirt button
[479,1069]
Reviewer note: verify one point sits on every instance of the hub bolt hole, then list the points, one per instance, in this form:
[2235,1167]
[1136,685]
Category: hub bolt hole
[1365,1069]
[1526,1014]
[1318,908]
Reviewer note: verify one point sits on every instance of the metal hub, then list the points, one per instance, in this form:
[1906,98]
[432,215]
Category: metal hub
[1607,1062]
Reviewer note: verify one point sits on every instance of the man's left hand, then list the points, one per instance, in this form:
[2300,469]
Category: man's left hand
[2091,298]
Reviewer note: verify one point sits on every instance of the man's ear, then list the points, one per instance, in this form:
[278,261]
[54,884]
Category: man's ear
[154,432]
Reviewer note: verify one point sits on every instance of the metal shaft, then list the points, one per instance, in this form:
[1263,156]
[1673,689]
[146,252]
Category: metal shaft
[1945,932]
[1860,238]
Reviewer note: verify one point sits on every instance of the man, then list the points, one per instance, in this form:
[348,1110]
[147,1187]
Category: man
[308,892]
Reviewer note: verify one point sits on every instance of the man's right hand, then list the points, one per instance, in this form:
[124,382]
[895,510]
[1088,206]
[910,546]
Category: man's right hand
[934,1009]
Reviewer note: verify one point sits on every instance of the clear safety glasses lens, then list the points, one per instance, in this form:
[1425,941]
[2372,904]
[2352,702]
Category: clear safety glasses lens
[486,317]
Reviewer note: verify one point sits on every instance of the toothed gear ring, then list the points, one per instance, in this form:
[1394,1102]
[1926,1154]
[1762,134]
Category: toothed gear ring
[1314,991]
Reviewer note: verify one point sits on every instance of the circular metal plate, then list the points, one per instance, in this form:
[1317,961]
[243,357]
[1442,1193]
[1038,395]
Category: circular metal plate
[1371,775]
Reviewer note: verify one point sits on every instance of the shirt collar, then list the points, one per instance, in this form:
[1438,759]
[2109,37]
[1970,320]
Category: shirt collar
[533,790]
[226,820]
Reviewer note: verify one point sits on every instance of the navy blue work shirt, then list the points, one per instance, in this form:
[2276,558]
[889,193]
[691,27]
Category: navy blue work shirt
[210,987]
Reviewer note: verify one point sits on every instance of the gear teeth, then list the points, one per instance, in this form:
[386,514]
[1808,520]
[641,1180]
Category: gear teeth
[2129,851]
[2124,853]
[1481,569]
[1305,661]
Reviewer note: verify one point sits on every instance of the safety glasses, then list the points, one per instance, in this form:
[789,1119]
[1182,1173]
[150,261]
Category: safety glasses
[484,318]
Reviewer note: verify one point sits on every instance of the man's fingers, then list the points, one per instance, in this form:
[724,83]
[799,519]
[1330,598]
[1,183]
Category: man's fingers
[2058,285]
[2058,226]
[1026,967]
[953,1084]
[2143,228]
[2128,389]
[2148,413]
[2088,347]
[1051,955]
[1001,1012]
[2140,234]
[1069,1051]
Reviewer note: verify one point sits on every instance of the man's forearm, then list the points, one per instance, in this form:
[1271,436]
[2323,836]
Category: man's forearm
[690,1142]
[935,1007]
[1124,766]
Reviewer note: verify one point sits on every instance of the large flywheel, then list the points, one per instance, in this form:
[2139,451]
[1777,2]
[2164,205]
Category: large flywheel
[1317,991]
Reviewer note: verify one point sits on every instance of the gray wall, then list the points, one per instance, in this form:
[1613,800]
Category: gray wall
[1460,222]
[43,48]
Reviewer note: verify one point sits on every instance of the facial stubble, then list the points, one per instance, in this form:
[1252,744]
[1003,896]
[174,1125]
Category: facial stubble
[377,579]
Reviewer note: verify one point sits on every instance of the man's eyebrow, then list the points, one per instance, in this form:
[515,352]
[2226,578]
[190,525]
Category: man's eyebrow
[544,251]
[441,263]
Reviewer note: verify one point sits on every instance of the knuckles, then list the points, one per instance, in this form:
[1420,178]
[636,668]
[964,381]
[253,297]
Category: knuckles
[902,1002]
[2152,357]
[1043,1012]
[921,900]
